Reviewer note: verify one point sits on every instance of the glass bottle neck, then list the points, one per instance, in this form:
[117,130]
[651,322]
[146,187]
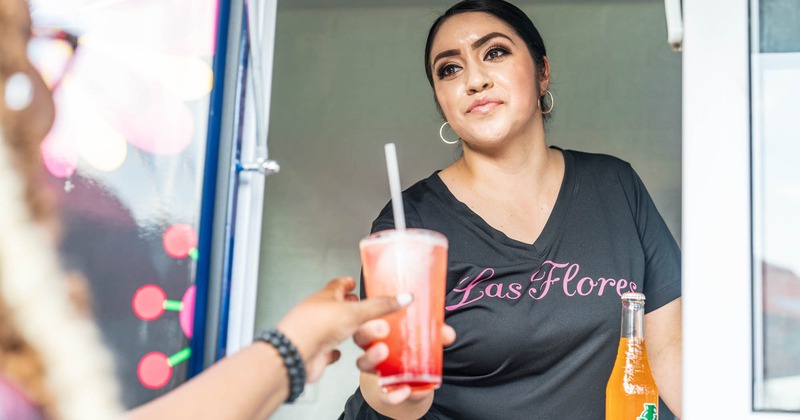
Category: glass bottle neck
[632,319]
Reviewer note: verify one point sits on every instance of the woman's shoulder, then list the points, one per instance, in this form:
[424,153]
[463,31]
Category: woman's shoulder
[598,164]
[417,200]
[597,159]
[421,190]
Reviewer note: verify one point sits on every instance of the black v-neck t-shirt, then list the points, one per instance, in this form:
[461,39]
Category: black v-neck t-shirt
[538,324]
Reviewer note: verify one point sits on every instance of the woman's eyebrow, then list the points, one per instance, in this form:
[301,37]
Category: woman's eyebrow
[482,40]
[477,44]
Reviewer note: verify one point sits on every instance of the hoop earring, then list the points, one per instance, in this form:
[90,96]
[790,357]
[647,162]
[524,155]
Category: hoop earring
[18,93]
[552,102]
[441,134]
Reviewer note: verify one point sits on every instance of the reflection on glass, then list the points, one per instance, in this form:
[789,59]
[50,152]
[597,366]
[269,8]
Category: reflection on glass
[775,64]
[51,51]
[126,161]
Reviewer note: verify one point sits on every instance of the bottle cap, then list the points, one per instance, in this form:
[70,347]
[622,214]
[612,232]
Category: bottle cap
[633,296]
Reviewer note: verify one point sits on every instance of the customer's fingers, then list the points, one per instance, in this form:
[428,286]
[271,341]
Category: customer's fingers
[340,286]
[372,308]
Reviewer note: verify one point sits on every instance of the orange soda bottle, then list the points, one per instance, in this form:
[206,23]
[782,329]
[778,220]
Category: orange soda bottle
[631,392]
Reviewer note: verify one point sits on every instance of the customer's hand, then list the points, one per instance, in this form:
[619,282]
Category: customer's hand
[323,320]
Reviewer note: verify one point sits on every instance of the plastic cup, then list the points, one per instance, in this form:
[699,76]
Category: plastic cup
[409,260]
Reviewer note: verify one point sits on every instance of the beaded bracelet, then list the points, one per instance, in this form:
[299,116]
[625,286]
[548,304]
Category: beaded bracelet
[291,358]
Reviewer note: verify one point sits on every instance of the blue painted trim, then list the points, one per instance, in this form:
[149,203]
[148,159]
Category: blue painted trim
[206,228]
[233,190]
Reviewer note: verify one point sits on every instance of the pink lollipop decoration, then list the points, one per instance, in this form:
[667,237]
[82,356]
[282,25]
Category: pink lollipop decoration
[148,302]
[154,370]
[179,240]
[187,311]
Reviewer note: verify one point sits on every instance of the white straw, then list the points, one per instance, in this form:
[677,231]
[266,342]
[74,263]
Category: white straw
[394,187]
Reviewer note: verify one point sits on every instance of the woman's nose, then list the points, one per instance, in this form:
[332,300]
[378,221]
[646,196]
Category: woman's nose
[478,81]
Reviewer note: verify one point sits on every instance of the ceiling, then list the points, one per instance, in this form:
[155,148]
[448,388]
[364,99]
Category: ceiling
[315,4]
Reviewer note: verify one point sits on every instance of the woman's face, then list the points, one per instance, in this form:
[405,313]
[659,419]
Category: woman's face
[485,79]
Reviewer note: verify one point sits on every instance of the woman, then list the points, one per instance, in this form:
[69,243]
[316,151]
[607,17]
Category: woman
[543,242]
[52,364]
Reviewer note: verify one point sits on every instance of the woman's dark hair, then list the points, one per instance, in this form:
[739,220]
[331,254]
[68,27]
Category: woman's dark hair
[502,10]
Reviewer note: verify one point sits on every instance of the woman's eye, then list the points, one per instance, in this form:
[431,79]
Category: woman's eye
[447,70]
[495,53]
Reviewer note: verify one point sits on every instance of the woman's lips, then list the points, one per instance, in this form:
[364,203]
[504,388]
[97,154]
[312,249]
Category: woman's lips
[483,106]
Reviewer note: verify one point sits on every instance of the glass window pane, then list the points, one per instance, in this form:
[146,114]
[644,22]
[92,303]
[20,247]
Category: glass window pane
[775,65]
[126,159]
[778,23]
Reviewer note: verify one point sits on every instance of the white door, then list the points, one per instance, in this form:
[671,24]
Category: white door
[741,209]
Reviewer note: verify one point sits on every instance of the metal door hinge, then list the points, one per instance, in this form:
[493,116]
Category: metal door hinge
[261,165]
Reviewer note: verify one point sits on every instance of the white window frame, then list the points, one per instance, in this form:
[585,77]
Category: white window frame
[717,242]
[250,206]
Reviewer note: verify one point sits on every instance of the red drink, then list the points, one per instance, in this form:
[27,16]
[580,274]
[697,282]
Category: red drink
[414,260]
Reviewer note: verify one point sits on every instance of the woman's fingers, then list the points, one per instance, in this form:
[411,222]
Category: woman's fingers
[372,357]
[371,331]
[396,396]
[448,335]
[402,394]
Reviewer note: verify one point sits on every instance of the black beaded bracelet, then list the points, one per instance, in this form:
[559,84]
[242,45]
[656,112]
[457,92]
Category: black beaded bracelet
[291,358]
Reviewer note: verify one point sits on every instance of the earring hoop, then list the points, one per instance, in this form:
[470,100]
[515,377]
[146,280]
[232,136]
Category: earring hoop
[552,102]
[441,134]
[18,93]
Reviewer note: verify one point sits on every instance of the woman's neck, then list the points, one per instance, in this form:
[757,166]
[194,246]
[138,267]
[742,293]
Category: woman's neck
[514,188]
[516,161]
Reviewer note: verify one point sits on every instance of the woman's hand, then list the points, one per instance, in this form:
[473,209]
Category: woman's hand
[377,352]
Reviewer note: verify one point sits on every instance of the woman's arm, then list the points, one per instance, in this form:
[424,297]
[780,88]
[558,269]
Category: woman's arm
[664,349]
[254,382]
